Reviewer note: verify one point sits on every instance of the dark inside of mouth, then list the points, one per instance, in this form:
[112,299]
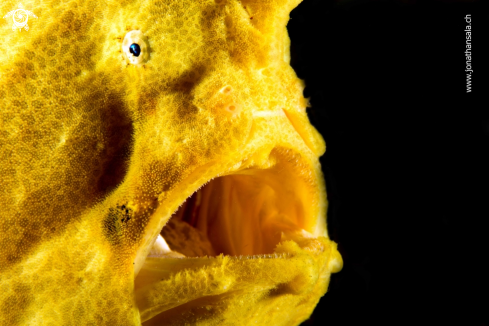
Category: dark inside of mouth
[241,214]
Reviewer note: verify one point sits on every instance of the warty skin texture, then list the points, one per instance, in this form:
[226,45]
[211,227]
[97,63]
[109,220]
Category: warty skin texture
[96,153]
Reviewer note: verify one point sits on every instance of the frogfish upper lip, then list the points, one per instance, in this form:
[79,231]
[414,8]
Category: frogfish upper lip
[269,210]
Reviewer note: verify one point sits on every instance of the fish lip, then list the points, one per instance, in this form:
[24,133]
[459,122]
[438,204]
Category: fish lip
[282,155]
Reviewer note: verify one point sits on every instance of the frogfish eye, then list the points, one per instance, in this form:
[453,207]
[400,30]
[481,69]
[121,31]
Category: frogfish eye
[135,48]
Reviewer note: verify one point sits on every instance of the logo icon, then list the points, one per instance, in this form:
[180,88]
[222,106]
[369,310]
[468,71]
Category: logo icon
[20,17]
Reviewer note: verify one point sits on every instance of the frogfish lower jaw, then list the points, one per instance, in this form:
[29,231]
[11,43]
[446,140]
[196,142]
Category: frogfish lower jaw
[263,211]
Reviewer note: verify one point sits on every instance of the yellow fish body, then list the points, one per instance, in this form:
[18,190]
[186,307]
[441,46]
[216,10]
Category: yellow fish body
[157,166]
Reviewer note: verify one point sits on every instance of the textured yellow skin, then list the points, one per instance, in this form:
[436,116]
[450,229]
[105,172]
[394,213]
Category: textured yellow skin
[82,133]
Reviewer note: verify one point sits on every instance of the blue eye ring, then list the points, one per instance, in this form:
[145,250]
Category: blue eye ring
[135,49]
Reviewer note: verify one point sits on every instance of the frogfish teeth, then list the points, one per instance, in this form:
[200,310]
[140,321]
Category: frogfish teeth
[158,167]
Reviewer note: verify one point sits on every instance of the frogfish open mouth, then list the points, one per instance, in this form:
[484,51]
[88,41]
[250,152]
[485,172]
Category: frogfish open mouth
[158,167]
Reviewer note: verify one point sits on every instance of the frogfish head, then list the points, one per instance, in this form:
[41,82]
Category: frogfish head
[158,167]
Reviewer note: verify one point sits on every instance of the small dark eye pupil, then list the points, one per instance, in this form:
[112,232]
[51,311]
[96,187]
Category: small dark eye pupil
[135,49]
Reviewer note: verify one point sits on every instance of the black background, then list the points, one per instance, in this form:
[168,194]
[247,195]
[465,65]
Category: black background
[406,164]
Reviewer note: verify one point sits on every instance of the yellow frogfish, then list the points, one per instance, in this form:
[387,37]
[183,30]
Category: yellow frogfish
[157,166]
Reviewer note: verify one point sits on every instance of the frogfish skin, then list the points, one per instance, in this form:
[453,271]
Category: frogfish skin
[157,166]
